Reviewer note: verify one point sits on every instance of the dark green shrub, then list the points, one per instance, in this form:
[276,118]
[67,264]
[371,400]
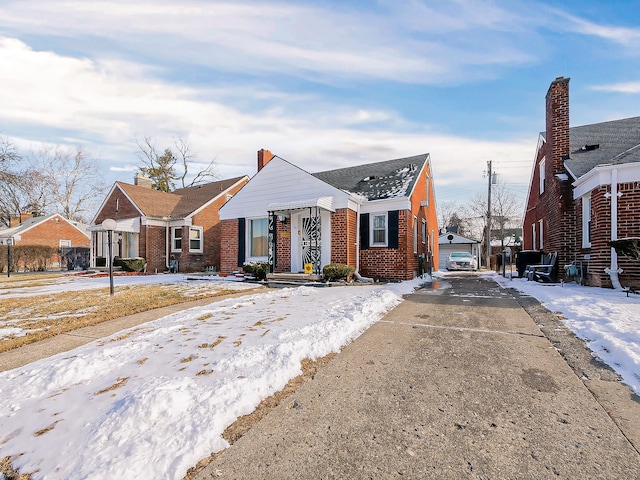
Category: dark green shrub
[337,271]
[258,269]
[135,264]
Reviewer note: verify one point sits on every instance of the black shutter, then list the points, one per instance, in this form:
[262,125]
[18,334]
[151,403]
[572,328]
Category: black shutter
[393,228]
[241,241]
[364,231]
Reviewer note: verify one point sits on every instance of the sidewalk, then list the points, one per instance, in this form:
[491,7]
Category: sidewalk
[452,383]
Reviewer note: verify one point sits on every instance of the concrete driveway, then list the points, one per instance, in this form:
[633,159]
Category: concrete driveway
[458,381]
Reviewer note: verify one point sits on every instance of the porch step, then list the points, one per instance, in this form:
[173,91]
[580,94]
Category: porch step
[281,280]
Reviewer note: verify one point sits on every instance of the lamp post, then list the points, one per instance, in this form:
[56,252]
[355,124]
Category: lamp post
[9,243]
[110,225]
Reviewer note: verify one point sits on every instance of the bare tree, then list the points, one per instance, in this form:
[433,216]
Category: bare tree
[162,167]
[74,180]
[452,214]
[504,212]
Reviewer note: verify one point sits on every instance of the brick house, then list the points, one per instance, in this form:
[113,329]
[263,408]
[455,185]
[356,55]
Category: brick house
[52,230]
[182,225]
[379,218]
[584,192]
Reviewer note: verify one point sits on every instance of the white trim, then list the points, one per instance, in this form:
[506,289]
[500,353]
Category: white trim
[415,234]
[424,231]
[542,175]
[541,233]
[173,239]
[249,238]
[601,175]
[586,208]
[372,216]
[375,206]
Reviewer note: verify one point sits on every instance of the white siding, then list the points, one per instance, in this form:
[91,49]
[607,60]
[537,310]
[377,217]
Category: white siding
[279,182]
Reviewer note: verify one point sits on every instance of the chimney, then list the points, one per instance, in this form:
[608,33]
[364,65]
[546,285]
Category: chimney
[15,220]
[142,181]
[557,124]
[263,158]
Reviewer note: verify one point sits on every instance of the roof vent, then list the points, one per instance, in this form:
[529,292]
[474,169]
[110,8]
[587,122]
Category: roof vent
[369,178]
[587,148]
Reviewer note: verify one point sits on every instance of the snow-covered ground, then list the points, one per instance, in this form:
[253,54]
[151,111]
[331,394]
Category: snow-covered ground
[153,403]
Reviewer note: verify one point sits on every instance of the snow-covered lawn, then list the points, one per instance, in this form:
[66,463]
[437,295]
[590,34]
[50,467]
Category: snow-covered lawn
[153,402]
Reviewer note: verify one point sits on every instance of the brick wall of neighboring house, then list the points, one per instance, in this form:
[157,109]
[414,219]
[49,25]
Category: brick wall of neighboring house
[383,263]
[229,245]
[531,216]
[628,226]
[283,246]
[155,247]
[50,233]
[117,207]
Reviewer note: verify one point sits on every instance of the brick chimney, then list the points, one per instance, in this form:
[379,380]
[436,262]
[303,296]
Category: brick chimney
[15,220]
[263,158]
[142,181]
[557,125]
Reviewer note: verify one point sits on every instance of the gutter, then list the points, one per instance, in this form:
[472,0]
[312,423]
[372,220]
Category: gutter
[614,270]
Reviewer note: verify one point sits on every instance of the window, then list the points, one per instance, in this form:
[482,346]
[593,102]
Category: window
[379,229]
[428,180]
[65,244]
[195,239]
[176,239]
[533,236]
[424,231]
[586,221]
[542,175]
[258,237]
[541,236]
[415,234]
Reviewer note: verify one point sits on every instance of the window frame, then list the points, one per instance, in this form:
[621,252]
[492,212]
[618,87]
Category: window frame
[424,231]
[249,235]
[541,233]
[542,175]
[174,248]
[533,238]
[372,229]
[200,239]
[415,234]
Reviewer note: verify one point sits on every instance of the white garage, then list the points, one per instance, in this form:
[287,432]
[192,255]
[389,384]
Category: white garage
[452,242]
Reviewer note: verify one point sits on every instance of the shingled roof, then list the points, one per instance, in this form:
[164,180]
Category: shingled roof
[607,143]
[377,181]
[177,204]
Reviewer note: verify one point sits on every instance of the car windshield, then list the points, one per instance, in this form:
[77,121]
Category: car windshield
[460,255]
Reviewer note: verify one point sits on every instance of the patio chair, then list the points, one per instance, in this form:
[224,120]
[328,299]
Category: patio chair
[542,272]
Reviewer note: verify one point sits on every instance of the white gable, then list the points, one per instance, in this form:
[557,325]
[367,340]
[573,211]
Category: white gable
[447,238]
[279,182]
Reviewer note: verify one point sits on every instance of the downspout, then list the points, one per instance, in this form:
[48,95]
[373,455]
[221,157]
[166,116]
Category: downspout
[167,243]
[614,270]
[357,272]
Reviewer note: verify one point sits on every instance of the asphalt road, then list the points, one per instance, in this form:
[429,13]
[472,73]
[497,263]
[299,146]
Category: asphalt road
[458,381]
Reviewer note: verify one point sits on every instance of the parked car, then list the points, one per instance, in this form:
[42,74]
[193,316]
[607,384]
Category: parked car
[461,261]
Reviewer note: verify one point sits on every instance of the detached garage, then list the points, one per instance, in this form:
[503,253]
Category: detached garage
[452,242]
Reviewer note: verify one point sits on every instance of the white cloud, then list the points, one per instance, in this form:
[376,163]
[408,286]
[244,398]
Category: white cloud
[623,87]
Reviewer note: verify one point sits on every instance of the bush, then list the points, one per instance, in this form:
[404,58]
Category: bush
[337,271]
[135,264]
[101,262]
[258,269]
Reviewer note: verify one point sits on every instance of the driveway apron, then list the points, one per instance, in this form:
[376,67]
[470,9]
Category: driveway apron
[456,382]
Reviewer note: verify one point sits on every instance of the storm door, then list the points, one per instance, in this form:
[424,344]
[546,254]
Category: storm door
[311,240]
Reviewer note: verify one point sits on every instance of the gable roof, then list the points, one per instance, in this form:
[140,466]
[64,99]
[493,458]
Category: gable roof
[35,221]
[377,181]
[617,141]
[178,204]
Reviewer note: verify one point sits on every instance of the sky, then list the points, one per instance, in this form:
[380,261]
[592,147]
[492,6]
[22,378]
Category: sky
[152,401]
[322,84]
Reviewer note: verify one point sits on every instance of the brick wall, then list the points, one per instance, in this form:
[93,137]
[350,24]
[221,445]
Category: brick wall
[343,236]
[155,243]
[381,263]
[50,233]
[229,245]
[283,246]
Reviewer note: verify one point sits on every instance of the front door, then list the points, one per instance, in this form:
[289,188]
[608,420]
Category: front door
[310,241]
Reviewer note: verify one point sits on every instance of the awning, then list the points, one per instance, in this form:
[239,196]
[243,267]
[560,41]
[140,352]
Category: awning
[125,225]
[326,203]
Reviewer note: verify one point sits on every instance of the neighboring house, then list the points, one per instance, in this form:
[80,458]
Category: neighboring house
[49,230]
[585,192]
[450,242]
[379,218]
[162,227]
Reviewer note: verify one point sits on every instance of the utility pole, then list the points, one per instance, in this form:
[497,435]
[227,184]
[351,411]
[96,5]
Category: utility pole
[488,254]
